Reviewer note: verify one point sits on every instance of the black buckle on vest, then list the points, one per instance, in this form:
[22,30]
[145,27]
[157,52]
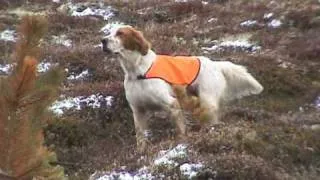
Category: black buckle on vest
[141,77]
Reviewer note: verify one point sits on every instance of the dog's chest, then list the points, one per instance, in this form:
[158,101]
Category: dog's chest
[149,92]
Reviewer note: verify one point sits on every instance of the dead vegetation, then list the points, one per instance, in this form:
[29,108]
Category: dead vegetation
[23,101]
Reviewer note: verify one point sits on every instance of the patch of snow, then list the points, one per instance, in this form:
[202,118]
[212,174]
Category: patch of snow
[8,35]
[79,102]
[235,43]
[56,1]
[86,12]
[204,2]
[213,20]
[82,75]
[141,11]
[248,23]
[267,15]
[285,65]
[184,1]
[41,68]
[82,10]
[98,46]
[62,40]
[108,27]
[301,109]
[190,170]
[141,174]
[44,67]
[5,68]
[212,48]
[317,102]
[23,12]
[116,176]
[168,157]
[275,23]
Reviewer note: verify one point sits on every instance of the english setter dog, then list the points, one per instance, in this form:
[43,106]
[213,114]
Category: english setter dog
[149,79]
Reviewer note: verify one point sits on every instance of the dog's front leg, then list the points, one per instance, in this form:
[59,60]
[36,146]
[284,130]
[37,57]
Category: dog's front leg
[141,127]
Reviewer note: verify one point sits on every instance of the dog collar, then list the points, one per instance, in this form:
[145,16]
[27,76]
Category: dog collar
[141,77]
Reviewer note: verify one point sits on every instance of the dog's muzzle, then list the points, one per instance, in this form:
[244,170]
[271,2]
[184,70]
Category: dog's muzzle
[105,46]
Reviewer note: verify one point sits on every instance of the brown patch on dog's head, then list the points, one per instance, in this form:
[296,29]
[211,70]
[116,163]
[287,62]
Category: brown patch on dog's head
[133,40]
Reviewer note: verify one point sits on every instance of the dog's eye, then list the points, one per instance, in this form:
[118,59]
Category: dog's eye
[107,33]
[119,33]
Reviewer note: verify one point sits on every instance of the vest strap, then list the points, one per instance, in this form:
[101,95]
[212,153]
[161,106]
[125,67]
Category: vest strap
[141,77]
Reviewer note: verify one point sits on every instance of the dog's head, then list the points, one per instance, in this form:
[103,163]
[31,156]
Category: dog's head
[125,39]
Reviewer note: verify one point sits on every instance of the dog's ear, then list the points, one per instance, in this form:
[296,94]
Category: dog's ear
[143,44]
[134,40]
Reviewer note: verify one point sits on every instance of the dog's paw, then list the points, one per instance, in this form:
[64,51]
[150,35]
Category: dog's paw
[142,145]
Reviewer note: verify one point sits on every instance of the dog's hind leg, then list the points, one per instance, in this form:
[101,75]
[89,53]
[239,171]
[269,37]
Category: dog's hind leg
[210,113]
[209,103]
[141,127]
[211,90]
[178,117]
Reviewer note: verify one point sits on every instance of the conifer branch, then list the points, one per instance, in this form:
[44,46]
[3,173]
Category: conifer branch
[23,106]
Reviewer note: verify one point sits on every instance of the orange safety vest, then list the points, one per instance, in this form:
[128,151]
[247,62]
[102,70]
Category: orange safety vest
[179,70]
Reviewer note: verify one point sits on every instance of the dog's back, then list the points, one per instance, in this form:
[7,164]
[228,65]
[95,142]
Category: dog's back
[240,82]
[236,81]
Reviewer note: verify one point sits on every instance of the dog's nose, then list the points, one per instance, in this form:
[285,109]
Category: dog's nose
[104,41]
[105,45]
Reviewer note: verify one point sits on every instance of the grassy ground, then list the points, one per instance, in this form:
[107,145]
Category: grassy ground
[270,136]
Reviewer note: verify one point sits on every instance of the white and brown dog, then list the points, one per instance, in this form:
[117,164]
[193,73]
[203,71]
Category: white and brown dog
[214,82]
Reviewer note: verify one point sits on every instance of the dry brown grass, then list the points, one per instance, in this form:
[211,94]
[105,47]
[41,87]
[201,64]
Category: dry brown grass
[59,23]
[4,4]
[243,166]
[6,51]
[303,18]
[284,88]
[261,149]
[82,57]
[135,5]
[305,47]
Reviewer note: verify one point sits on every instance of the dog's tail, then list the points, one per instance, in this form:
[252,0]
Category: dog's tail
[240,82]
